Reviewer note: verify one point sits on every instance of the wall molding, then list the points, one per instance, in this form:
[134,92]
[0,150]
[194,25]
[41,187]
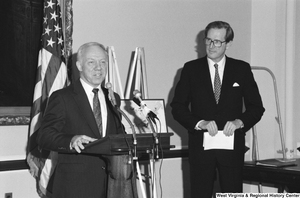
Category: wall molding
[14,116]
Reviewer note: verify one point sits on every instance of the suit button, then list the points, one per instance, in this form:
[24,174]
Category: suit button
[103,167]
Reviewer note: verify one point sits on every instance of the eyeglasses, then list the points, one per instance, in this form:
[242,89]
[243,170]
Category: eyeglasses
[217,43]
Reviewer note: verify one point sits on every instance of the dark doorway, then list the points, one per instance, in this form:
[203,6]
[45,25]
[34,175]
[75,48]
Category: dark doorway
[20,34]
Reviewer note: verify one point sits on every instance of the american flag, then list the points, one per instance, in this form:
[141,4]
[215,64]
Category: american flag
[51,76]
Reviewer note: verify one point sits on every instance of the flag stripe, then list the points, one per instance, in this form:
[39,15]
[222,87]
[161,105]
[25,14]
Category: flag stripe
[58,81]
[51,76]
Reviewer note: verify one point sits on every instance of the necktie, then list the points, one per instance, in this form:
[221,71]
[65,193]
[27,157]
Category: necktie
[217,84]
[97,110]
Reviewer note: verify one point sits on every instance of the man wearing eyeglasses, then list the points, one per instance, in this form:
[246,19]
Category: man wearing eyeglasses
[208,102]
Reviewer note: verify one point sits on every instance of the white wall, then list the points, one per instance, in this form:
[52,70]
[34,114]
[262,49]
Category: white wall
[297,72]
[275,45]
[20,183]
[13,142]
[267,49]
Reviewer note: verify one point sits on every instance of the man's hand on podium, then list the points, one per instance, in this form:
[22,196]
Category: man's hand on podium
[78,142]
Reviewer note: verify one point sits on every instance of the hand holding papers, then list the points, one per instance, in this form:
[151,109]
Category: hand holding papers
[219,141]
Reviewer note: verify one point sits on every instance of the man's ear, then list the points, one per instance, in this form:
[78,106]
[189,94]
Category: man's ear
[228,45]
[78,65]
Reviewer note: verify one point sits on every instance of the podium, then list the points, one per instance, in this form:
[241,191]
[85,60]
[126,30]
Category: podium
[121,144]
[118,150]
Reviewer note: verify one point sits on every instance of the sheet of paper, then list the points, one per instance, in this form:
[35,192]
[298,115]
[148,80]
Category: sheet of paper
[219,141]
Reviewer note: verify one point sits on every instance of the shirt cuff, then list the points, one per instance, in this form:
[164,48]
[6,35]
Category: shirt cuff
[241,122]
[198,124]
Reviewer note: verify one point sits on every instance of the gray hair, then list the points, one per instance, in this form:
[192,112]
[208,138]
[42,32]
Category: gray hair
[83,47]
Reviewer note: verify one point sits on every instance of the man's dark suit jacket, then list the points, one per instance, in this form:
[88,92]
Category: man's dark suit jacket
[194,101]
[69,113]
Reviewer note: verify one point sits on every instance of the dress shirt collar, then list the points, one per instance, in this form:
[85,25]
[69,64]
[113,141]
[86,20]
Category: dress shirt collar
[88,88]
[221,66]
[221,63]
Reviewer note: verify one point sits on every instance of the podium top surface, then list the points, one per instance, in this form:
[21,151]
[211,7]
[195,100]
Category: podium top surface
[120,143]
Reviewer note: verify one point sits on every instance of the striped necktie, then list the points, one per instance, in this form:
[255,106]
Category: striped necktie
[97,110]
[217,84]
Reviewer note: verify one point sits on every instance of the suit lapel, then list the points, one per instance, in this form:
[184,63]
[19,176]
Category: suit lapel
[85,107]
[207,81]
[227,80]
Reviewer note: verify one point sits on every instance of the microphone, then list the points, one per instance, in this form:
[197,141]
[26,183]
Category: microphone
[138,100]
[111,94]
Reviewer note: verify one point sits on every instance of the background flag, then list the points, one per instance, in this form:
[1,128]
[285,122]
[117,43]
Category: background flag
[51,76]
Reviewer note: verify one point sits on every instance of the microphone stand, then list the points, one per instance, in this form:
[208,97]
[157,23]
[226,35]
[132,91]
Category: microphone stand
[152,158]
[133,133]
[155,146]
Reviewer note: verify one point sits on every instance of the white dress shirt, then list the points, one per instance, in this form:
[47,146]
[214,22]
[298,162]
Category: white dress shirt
[90,94]
[221,66]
